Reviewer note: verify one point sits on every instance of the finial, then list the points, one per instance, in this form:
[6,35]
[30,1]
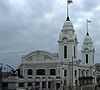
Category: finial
[87,34]
[67,19]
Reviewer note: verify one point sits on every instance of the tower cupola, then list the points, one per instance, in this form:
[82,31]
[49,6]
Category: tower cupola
[67,41]
[88,50]
[87,43]
[68,25]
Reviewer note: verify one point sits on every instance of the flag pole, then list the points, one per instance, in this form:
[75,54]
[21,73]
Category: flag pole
[67,12]
[87,21]
[87,26]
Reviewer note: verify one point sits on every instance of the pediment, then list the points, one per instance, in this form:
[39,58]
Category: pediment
[38,56]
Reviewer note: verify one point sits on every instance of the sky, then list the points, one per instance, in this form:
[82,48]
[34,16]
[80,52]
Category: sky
[29,25]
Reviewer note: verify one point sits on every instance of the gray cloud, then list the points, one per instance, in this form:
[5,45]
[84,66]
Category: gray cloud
[27,25]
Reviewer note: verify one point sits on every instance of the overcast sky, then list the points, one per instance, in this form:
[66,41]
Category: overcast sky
[28,25]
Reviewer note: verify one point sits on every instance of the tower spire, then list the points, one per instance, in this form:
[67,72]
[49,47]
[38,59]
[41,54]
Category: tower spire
[68,2]
[87,21]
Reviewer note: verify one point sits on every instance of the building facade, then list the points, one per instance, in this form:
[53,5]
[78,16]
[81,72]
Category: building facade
[42,70]
[62,68]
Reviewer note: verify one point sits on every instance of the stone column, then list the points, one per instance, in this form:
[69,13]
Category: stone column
[33,85]
[25,85]
[46,85]
[40,85]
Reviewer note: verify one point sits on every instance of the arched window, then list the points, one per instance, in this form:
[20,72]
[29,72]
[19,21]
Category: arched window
[30,72]
[65,51]
[65,72]
[52,72]
[75,73]
[40,72]
[86,58]
[74,51]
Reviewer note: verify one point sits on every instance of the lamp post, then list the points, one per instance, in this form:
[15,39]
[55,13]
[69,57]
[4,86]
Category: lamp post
[71,79]
[1,76]
[72,72]
[62,79]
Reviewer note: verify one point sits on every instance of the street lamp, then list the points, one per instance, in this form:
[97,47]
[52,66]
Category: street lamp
[71,83]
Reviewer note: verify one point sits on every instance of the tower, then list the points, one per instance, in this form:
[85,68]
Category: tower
[88,51]
[67,42]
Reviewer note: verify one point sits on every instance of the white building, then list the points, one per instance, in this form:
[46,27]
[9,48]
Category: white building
[62,68]
[45,70]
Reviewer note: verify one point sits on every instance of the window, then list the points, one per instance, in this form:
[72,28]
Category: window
[65,82]
[86,58]
[65,51]
[40,72]
[57,85]
[29,71]
[4,84]
[75,73]
[43,84]
[58,77]
[74,52]
[29,77]
[65,72]
[29,84]
[49,85]
[21,84]
[93,58]
[37,83]
[52,72]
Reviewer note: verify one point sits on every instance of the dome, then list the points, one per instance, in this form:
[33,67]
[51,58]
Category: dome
[68,25]
[87,39]
[87,44]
